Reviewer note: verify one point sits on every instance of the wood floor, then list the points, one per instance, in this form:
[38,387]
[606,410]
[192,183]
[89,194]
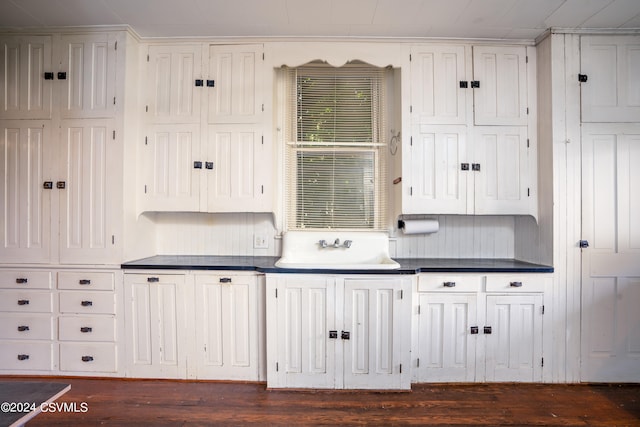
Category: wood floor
[176,403]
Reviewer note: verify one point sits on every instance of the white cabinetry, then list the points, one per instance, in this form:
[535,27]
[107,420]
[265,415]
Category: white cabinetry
[204,148]
[338,332]
[469,151]
[479,328]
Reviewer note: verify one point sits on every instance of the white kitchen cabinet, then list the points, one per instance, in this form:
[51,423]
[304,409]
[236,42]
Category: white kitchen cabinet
[610,91]
[226,326]
[479,328]
[156,331]
[25,90]
[469,151]
[338,332]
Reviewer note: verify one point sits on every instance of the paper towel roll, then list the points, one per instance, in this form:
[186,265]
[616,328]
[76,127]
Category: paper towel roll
[419,226]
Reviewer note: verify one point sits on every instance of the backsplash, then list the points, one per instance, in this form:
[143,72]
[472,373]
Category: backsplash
[234,234]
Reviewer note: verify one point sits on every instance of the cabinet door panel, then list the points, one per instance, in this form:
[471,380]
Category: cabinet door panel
[502,184]
[612,91]
[514,347]
[89,88]
[24,92]
[236,96]
[436,96]
[172,183]
[438,185]
[172,94]
[88,206]
[26,158]
[501,98]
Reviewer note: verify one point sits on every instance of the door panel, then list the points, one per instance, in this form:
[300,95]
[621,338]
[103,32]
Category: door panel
[611,271]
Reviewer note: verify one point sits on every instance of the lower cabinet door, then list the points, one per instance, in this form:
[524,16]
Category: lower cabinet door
[88,357]
[26,355]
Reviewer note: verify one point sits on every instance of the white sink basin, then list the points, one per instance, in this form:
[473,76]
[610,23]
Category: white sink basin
[367,250]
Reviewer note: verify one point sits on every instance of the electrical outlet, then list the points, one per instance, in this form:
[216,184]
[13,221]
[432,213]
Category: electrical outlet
[260,241]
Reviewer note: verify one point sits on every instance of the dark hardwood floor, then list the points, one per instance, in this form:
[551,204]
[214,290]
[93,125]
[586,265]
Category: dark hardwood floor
[117,402]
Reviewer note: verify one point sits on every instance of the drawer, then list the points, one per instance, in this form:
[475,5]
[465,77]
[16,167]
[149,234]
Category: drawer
[449,283]
[26,301]
[26,326]
[27,355]
[516,283]
[17,279]
[94,357]
[87,328]
[87,302]
[79,280]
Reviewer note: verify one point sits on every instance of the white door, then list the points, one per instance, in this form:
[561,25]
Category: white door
[27,161]
[175,85]
[226,327]
[438,184]
[612,90]
[25,91]
[87,87]
[446,344]
[237,157]
[156,325]
[611,262]
[500,97]
[376,351]
[88,209]
[513,349]
[301,318]
[172,168]
[235,94]
[501,177]
[436,93]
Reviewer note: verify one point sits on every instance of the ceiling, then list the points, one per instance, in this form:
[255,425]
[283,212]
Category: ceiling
[509,19]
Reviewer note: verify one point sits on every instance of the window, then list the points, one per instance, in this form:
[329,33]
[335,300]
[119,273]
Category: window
[336,153]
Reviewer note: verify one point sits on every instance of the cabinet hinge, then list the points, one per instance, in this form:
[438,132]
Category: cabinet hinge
[147,57]
[146,140]
[115,46]
[276,292]
[401,368]
[277,367]
[543,309]
[528,192]
[401,294]
[114,100]
[418,363]
[263,108]
[542,362]
[409,57]
[527,110]
[146,108]
[411,141]
[526,59]
[262,189]
[262,139]
[527,142]
[419,308]
[114,134]
[145,189]
[411,191]
[113,239]
[411,108]
[263,56]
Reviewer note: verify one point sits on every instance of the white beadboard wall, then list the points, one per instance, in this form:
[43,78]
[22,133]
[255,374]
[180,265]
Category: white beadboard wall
[233,234]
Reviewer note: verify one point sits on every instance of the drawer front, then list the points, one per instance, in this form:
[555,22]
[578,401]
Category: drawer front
[26,326]
[448,283]
[87,302]
[27,355]
[516,283]
[94,357]
[87,328]
[26,301]
[86,281]
[16,279]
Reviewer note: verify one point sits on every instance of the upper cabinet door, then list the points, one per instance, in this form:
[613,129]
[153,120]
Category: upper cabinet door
[612,90]
[234,83]
[174,83]
[24,91]
[436,95]
[87,76]
[500,80]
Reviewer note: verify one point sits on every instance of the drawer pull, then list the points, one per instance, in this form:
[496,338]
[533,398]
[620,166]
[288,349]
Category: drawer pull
[23,328]
[23,302]
[87,358]
[515,284]
[449,284]
[23,357]
[86,329]
[153,279]
[84,281]
[225,280]
[22,280]
[86,303]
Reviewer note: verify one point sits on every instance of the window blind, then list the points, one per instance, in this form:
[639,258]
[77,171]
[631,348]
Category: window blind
[336,152]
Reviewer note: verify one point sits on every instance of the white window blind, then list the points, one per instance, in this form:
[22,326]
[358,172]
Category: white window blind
[336,152]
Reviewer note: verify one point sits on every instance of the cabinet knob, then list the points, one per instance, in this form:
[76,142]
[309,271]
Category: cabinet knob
[225,280]
[86,303]
[23,328]
[22,280]
[23,302]
[87,358]
[23,357]
[449,284]
[86,329]
[153,279]
[84,282]
[515,284]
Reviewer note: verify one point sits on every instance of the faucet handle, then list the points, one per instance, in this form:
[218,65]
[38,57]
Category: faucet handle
[336,244]
[347,243]
[322,243]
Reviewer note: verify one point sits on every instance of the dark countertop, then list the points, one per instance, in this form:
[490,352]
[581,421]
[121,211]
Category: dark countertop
[266,265]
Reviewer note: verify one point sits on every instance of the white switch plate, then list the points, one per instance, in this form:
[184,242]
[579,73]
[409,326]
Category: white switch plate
[260,241]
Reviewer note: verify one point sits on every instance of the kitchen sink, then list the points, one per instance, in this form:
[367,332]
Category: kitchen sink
[341,250]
